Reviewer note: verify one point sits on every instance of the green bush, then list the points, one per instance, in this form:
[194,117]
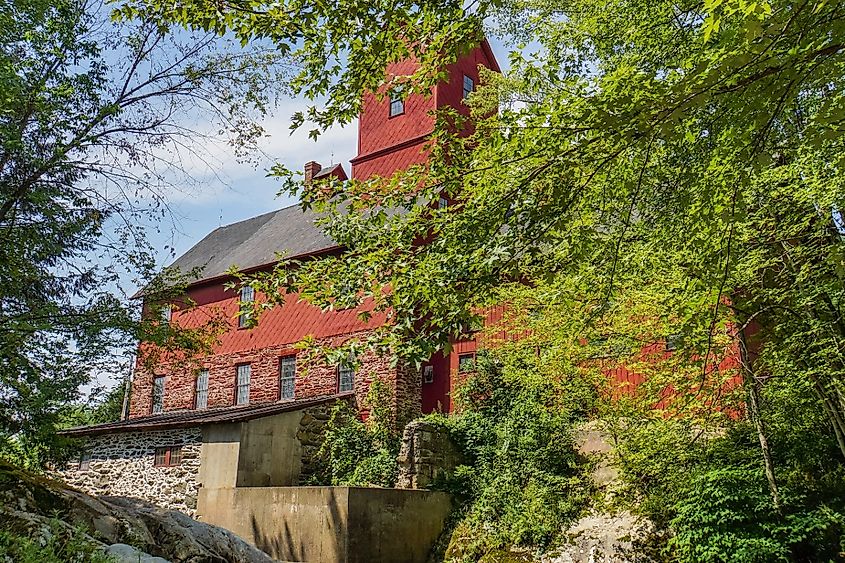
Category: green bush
[523,482]
[712,496]
[56,546]
[356,453]
[726,514]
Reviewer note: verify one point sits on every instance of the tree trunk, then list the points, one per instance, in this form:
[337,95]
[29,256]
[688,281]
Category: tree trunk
[753,392]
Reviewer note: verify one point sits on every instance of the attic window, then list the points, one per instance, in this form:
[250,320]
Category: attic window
[397,104]
[242,390]
[287,377]
[345,377]
[469,85]
[245,314]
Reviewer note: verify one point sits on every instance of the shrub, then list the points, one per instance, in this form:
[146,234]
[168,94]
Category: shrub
[56,545]
[357,453]
[712,496]
[523,482]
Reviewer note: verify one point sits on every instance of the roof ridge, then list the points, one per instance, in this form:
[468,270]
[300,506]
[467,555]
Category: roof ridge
[257,216]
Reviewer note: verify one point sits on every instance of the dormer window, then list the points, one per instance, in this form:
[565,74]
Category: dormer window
[469,86]
[247,297]
[397,103]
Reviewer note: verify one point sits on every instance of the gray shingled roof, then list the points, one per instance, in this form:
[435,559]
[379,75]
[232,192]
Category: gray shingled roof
[255,242]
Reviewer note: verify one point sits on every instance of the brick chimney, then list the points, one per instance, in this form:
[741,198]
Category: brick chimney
[312,168]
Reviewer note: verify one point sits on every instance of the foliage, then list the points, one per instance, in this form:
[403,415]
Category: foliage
[522,483]
[652,171]
[58,545]
[93,124]
[342,48]
[357,453]
[711,492]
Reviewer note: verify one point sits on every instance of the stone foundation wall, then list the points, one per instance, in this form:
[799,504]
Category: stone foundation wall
[122,465]
[427,452]
[311,434]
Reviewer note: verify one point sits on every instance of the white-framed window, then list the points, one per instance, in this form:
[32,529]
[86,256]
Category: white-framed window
[287,377]
[247,296]
[201,390]
[166,313]
[397,103]
[158,394]
[469,85]
[242,389]
[345,378]
[673,342]
[428,374]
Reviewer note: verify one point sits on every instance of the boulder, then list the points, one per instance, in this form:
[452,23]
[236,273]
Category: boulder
[33,505]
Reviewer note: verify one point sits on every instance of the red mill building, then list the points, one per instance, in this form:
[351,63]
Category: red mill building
[247,415]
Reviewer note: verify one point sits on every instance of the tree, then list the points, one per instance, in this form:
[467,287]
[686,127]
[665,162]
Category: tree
[94,119]
[653,170]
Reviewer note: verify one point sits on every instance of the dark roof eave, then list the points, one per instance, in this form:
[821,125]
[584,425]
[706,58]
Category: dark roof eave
[191,418]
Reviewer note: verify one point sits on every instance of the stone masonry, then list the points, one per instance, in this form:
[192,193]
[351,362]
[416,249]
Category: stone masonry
[427,452]
[311,434]
[122,465]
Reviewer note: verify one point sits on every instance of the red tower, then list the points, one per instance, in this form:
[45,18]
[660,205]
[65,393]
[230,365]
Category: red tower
[391,137]
[392,132]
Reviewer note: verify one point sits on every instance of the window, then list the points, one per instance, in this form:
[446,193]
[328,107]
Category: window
[442,203]
[397,103]
[287,377]
[168,456]
[428,374]
[166,313]
[245,314]
[466,362]
[345,378]
[158,395]
[673,342]
[84,461]
[242,392]
[469,85]
[201,390]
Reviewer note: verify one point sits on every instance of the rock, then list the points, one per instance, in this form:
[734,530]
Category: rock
[426,452]
[603,538]
[29,503]
[123,553]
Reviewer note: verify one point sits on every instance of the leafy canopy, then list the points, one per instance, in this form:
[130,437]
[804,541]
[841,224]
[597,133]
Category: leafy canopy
[93,123]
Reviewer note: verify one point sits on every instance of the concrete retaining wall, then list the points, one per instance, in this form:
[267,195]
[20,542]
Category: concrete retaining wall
[343,524]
